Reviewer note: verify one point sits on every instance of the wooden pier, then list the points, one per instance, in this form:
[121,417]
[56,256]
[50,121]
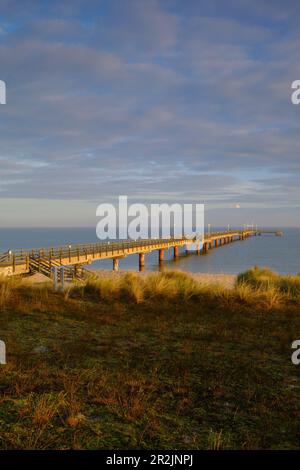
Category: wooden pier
[74,257]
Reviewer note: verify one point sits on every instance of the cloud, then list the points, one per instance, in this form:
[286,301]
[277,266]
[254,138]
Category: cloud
[151,99]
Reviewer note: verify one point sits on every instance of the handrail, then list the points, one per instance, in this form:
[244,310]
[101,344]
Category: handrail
[84,249]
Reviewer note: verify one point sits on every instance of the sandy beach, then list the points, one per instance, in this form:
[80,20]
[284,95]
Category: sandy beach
[212,278]
[224,279]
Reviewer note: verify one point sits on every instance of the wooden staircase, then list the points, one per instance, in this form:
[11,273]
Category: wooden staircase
[44,266]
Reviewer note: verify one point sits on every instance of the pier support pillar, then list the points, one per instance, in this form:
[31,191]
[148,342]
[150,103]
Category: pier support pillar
[176,252]
[55,278]
[205,249]
[141,261]
[161,254]
[62,278]
[216,243]
[116,264]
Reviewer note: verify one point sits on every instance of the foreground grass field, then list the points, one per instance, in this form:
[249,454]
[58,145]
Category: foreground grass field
[156,362]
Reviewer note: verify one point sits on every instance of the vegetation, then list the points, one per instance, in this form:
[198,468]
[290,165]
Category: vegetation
[150,362]
[287,287]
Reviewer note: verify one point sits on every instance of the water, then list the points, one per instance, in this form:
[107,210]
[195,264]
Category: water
[279,253]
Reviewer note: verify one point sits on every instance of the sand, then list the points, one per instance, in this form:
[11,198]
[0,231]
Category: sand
[224,279]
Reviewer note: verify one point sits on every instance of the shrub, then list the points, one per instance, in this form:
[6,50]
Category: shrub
[258,277]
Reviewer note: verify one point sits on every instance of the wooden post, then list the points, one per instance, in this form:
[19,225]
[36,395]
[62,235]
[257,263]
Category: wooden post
[116,264]
[54,276]
[141,261]
[161,254]
[62,279]
[176,252]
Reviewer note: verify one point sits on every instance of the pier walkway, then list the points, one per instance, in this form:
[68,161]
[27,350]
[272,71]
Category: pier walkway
[74,257]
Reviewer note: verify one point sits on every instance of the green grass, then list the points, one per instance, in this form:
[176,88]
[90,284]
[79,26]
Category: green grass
[154,362]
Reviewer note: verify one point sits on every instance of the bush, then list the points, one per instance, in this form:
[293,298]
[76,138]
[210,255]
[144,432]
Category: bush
[259,278]
[289,285]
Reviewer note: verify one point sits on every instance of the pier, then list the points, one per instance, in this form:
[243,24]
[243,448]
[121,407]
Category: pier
[73,258]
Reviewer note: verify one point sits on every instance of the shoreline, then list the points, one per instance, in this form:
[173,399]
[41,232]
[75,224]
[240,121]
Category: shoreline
[225,279]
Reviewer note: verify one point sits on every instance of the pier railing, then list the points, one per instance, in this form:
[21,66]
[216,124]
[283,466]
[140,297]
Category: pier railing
[79,250]
[22,256]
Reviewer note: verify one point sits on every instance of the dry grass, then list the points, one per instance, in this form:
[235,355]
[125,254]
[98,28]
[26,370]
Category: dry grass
[286,287]
[154,362]
[256,286]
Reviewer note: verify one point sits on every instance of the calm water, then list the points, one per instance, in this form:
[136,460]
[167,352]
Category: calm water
[279,253]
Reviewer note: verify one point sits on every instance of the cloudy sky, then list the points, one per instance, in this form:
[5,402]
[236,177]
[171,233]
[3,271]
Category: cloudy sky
[160,100]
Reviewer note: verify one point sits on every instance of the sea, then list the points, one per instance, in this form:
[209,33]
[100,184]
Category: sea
[281,254]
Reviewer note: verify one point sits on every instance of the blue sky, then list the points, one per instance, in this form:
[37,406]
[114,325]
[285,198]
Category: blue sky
[160,100]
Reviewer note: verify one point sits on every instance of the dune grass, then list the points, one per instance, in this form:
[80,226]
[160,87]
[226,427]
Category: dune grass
[287,287]
[150,362]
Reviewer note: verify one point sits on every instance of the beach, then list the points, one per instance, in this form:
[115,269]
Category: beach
[223,279]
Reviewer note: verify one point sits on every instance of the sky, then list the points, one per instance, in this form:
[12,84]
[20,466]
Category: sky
[184,101]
